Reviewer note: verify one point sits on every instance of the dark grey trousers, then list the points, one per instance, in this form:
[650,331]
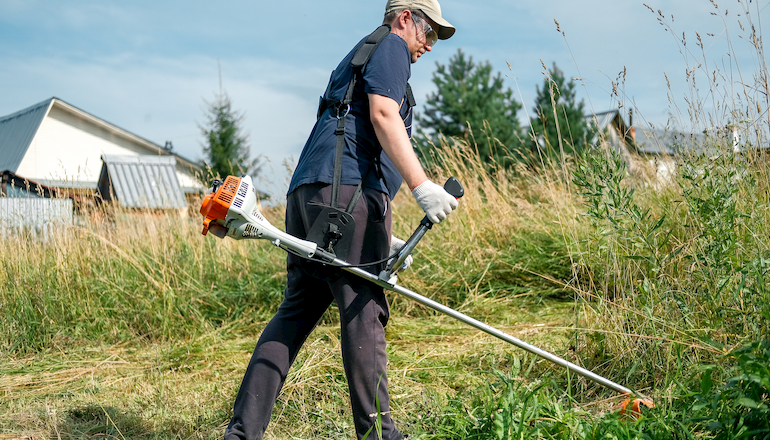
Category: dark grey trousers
[363,309]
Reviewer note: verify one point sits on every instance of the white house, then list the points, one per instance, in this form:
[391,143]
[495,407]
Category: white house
[59,145]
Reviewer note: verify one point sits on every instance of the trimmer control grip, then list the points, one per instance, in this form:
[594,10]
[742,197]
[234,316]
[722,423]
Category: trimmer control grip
[454,187]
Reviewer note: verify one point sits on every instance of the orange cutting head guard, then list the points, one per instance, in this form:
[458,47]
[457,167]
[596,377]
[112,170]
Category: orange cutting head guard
[633,407]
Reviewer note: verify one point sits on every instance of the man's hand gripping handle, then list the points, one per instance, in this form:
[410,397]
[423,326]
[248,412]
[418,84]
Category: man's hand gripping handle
[452,188]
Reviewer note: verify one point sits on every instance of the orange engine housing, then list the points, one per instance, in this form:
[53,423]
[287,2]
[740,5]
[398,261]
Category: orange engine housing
[216,205]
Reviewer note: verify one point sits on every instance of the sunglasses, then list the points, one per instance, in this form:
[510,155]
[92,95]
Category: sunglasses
[431,36]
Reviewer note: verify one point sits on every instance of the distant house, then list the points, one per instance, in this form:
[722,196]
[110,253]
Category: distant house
[14,186]
[663,147]
[61,146]
[611,132]
[653,153]
[648,152]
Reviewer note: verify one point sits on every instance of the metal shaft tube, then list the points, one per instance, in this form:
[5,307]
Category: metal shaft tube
[485,328]
[395,266]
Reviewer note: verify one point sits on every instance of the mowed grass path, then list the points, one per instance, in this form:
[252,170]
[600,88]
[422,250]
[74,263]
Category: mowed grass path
[185,389]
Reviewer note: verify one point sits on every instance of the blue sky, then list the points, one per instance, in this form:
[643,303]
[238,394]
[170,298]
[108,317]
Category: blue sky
[148,66]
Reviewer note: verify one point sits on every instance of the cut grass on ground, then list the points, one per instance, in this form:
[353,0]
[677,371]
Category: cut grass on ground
[185,389]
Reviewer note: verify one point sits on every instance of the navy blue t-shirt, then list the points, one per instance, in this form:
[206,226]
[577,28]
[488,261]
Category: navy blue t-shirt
[386,74]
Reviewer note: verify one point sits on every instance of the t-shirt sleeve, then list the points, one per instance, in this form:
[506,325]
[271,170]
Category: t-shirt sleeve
[388,70]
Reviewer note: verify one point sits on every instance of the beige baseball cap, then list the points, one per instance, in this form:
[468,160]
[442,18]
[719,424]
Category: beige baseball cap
[431,8]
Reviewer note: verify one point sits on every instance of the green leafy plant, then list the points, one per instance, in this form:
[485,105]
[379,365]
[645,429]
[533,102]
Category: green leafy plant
[710,187]
[611,206]
[739,409]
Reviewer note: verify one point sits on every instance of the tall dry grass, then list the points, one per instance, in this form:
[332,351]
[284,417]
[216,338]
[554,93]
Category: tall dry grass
[134,275]
[676,273]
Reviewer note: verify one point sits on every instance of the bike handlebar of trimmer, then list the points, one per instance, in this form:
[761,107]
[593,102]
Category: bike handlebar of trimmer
[454,188]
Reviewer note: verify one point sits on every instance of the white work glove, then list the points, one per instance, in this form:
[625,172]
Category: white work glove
[395,245]
[434,200]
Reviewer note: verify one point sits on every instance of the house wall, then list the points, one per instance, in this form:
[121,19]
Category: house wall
[657,171]
[188,182]
[67,150]
[613,141]
[665,168]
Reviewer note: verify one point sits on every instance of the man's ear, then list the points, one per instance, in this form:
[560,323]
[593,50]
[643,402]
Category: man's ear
[402,19]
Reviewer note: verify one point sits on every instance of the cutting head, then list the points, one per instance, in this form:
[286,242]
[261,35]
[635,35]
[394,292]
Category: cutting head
[633,408]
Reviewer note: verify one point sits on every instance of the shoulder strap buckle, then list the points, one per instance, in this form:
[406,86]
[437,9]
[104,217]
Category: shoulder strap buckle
[342,110]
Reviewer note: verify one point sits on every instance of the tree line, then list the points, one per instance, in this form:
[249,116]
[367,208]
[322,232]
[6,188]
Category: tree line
[470,103]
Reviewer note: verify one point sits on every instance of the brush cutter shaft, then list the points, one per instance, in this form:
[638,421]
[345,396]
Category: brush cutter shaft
[234,206]
[395,266]
[485,328]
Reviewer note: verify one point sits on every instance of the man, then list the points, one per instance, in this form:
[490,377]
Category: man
[377,153]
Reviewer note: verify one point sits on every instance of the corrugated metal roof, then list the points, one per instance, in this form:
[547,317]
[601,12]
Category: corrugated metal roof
[141,182]
[603,120]
[671,142]
[17,131]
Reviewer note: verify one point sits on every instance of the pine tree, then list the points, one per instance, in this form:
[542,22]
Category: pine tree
[225,146]
[558,96]
[473,105]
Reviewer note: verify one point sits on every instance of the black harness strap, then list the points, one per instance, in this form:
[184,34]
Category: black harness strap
[340,132]
[360,59]
[366,50]
[332,230]
[410,101]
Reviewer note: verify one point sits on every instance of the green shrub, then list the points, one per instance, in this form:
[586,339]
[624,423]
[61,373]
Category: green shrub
[739,409]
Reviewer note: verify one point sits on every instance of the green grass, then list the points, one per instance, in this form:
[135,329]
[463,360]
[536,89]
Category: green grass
[185,389]
[133,325]
[142,328]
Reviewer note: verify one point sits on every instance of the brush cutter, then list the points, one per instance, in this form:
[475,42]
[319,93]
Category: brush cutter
[231,210]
